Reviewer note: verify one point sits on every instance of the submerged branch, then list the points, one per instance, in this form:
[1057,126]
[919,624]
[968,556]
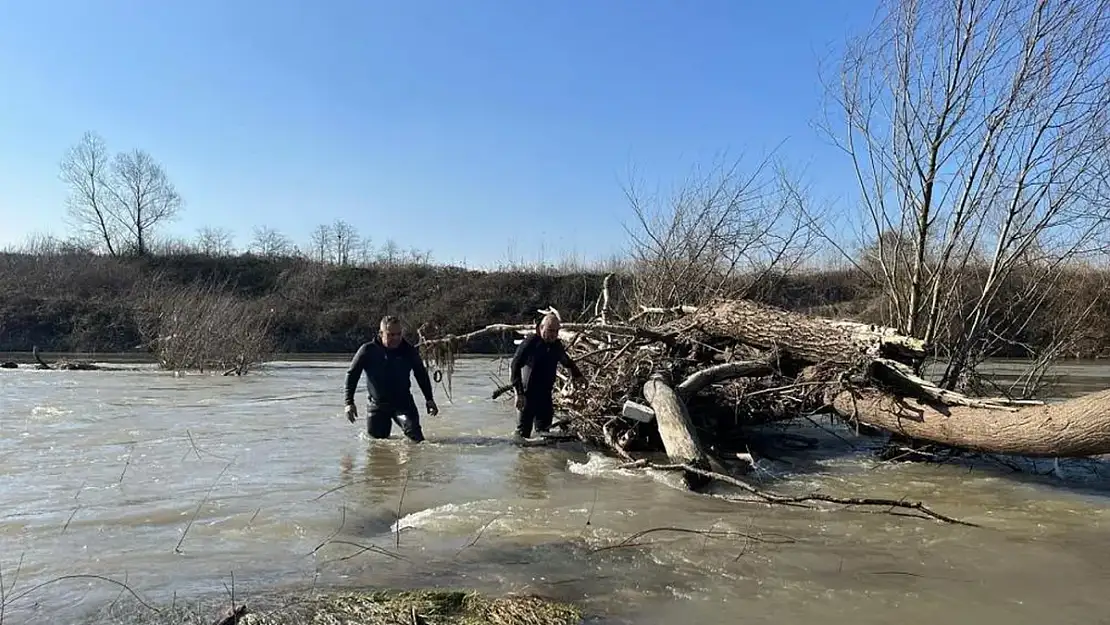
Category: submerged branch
[772,498]
[630,540]
[89,576]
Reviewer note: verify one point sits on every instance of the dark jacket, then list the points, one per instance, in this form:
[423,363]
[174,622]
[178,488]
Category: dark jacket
[387,373]
[534,364]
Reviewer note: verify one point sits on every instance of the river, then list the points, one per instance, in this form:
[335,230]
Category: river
[184,485]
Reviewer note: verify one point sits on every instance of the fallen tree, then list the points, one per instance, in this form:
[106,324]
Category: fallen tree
[678,378]
[1075,428]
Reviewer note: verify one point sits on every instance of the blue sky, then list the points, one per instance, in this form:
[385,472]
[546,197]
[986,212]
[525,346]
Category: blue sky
[465,127]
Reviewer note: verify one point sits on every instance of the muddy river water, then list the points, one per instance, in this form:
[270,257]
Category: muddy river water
[177,485]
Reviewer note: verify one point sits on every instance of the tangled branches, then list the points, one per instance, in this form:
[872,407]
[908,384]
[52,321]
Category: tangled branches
[204,327]
[689,381]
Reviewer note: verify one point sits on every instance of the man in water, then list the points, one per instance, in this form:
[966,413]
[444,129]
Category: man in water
[533,376]
[387,361]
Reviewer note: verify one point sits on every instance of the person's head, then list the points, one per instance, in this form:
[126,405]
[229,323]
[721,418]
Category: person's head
[390,331]
[549,328]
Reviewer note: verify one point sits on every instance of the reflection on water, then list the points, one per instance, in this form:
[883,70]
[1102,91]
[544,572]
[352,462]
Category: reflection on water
[176,482]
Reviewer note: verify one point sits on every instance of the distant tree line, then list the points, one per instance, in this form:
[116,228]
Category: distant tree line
[120,204]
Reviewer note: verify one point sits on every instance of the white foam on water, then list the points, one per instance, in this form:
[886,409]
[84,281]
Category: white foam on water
[447,515]
[48,413]
[597,465]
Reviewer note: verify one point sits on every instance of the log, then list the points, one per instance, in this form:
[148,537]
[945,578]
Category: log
[680,439]
[674,310]
[42,364]
[902,379]
[1074,428]
[720,373]
[881,361]
[601,307]
[566,331]
[809,339]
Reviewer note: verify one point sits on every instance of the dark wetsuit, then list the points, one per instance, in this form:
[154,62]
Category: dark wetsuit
[387,384]
[533,377]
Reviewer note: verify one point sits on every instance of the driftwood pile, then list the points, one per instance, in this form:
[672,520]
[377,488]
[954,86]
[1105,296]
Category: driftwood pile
[700,375]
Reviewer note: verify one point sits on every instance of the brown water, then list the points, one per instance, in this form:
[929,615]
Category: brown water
[103,472]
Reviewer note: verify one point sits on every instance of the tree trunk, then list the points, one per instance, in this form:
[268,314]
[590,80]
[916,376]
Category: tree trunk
[1077,427]
[677,430]
[806,338]
[719,373]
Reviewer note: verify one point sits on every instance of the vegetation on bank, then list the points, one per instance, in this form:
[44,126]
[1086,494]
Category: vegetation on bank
[365,607]
[79,302]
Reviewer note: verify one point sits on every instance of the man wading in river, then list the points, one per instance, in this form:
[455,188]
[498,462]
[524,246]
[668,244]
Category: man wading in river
[388,360]
[533,376]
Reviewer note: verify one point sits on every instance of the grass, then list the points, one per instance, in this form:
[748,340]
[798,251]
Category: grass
[371,607]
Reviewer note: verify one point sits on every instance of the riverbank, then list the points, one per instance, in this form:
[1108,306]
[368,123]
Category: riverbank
[370,606]
[90,304]
[143,358]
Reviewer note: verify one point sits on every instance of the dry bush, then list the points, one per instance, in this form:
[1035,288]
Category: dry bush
[1049,311]
[202,326]
[303,283]
[725,232]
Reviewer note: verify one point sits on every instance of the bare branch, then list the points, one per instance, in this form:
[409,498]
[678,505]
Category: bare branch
[978,132]
[345,241]
[86,169]
[269,243]
[143,197]
[724,233]
[215,241]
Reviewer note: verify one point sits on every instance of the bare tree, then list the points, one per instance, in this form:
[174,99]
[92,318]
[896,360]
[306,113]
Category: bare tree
[215,241]
[420,257]
[978,130]
[321,244]
[143,196]
[365,251]
[344,241]
[390,252]
[86,169]
[724,233]
[270,243]
[119,202]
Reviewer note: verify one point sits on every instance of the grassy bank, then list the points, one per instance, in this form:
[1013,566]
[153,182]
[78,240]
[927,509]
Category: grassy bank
[371,606]
[88,303]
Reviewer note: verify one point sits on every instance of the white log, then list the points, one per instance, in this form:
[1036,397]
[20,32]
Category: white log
[680,439]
